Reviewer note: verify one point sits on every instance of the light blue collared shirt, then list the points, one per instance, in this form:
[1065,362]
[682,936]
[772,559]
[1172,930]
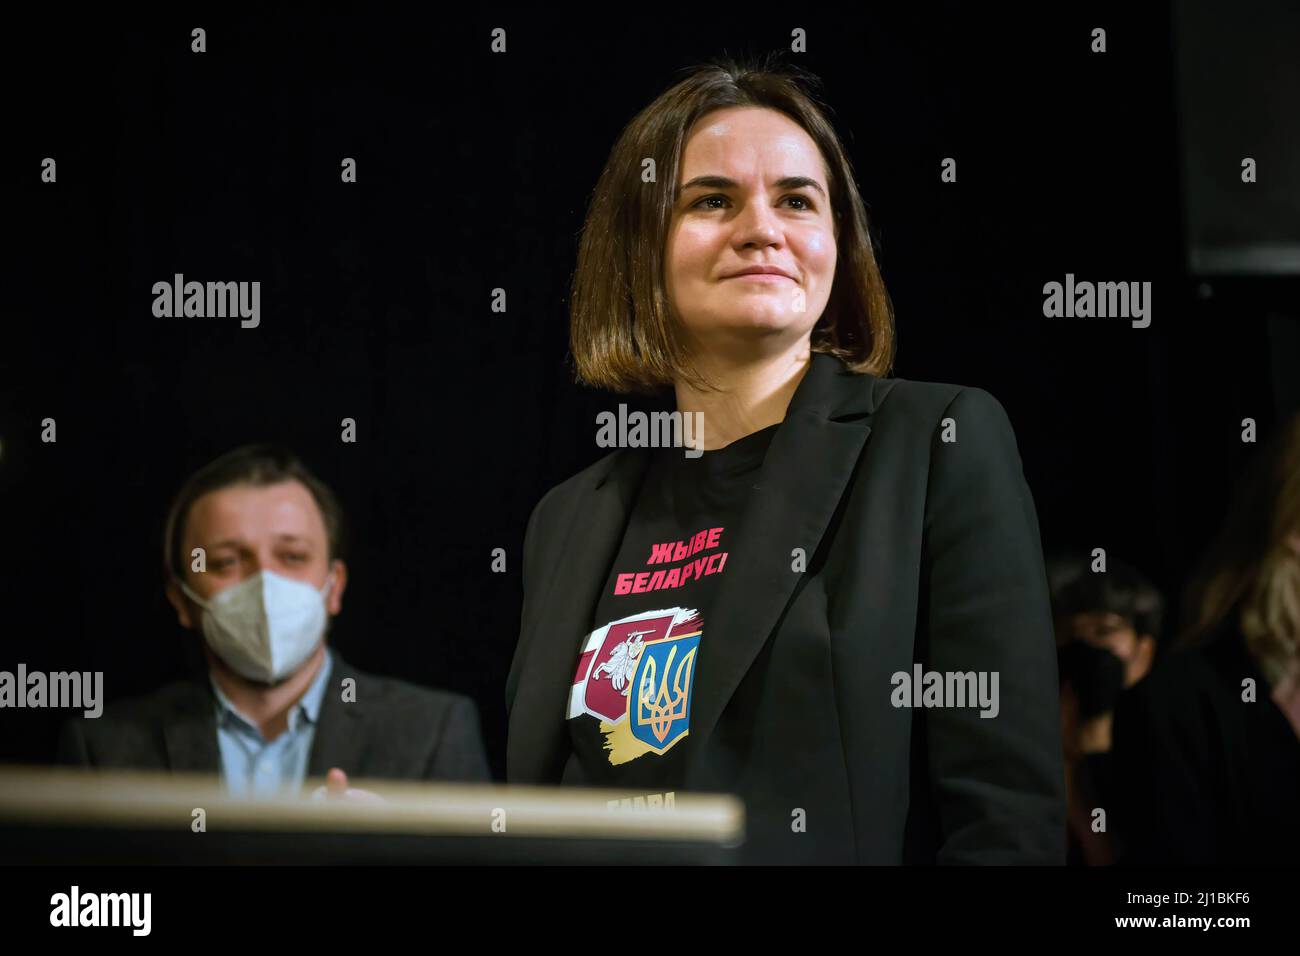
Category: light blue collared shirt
[252,766]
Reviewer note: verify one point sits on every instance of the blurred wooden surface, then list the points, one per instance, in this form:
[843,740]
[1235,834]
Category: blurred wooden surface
[69,797]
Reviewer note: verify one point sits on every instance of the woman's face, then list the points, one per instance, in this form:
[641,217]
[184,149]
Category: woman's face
[752,191]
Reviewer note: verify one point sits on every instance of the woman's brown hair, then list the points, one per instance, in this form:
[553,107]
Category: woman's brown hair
[1250,577]
[621,331]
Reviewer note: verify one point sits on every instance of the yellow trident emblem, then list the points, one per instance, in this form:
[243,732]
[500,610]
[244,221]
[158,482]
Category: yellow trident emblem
[660,708]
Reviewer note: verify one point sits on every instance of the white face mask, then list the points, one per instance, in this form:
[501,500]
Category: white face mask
[265,626]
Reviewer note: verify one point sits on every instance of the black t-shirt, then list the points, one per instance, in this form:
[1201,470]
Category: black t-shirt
[629,708]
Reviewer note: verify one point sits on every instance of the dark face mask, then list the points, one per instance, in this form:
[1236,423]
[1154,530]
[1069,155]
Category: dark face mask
[1096,675]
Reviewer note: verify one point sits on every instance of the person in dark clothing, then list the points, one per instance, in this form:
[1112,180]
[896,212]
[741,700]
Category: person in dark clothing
[1207,748]
[252,561]
[836,609]
[1107,620]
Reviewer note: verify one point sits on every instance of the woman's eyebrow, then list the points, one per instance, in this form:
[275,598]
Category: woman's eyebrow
[724,182]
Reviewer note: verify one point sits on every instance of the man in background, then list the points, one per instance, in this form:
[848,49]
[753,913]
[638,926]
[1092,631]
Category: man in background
[252,561]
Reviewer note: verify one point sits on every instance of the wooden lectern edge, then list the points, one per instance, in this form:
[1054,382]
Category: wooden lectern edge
[162,800]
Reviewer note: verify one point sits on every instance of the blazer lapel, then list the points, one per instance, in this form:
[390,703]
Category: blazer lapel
[190,735]
[808,464]
[568,592]
[340,739]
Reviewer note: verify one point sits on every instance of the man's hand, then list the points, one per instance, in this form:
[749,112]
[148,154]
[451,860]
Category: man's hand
[336,788]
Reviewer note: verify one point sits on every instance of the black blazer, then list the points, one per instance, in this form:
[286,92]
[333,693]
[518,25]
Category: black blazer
[392,731]
[919,550]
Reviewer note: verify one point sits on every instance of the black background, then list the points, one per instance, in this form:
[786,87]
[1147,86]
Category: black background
[474,170]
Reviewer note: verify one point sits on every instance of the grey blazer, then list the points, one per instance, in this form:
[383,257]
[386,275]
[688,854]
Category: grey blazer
[393,730]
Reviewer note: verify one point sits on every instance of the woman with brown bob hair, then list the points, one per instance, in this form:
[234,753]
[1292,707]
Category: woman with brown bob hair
[832,601]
